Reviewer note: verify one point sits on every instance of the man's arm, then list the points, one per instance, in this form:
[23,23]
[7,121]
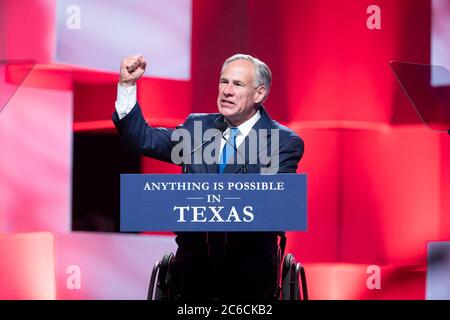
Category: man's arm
[290,154]
[129,121]
[142,138]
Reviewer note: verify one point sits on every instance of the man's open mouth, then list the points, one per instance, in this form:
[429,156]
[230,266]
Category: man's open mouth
[226,101]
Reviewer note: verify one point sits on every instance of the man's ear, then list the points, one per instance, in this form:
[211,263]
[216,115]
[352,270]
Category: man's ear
[260,94]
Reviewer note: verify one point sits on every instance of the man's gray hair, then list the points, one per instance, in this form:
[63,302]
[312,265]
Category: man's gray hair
[263,76]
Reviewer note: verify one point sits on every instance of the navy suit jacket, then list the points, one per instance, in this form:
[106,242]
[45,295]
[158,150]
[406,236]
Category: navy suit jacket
[256,250]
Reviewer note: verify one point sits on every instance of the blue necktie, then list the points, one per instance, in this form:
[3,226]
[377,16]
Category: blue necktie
[228,149]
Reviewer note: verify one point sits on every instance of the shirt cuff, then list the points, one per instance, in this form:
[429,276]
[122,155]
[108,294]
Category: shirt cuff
[126,100]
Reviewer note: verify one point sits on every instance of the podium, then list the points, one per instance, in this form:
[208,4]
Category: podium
[213,202]
[218,203]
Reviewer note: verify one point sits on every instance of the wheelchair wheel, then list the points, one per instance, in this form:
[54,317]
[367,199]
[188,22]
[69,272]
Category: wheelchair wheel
[293,275]
[161,274]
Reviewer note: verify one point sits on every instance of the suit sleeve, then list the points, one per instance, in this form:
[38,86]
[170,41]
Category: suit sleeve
[290,154]
[144,139]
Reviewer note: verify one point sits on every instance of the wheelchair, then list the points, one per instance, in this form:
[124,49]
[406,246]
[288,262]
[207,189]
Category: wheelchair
[291,285]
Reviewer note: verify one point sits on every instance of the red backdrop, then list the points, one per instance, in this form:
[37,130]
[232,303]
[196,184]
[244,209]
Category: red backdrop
[378,180]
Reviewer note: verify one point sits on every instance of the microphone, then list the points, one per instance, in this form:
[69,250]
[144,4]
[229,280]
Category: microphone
[219,124]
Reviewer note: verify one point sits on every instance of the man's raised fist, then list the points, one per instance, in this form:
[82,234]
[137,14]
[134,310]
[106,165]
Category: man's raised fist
[131,69]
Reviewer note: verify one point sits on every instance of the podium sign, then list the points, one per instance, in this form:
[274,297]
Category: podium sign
[213,202]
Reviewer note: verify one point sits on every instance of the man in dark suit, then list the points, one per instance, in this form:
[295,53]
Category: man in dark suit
[239,265]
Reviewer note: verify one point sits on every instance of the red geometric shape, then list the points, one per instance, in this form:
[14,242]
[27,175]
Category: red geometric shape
[27,266]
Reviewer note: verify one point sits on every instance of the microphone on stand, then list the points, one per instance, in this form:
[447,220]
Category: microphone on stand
[218,124]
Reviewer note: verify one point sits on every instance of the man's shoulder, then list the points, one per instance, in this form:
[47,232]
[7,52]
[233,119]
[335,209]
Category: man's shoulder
[205,120]
[285,132]
[203,116]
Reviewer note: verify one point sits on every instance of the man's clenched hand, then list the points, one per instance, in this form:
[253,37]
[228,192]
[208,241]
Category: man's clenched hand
[131,69]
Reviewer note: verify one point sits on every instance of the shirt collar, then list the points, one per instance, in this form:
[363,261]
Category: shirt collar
[244,128]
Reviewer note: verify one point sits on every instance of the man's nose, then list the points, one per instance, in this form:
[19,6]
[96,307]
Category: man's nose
[228,90]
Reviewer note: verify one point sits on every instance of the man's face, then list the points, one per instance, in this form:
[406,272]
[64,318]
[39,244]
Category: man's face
[238,96]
